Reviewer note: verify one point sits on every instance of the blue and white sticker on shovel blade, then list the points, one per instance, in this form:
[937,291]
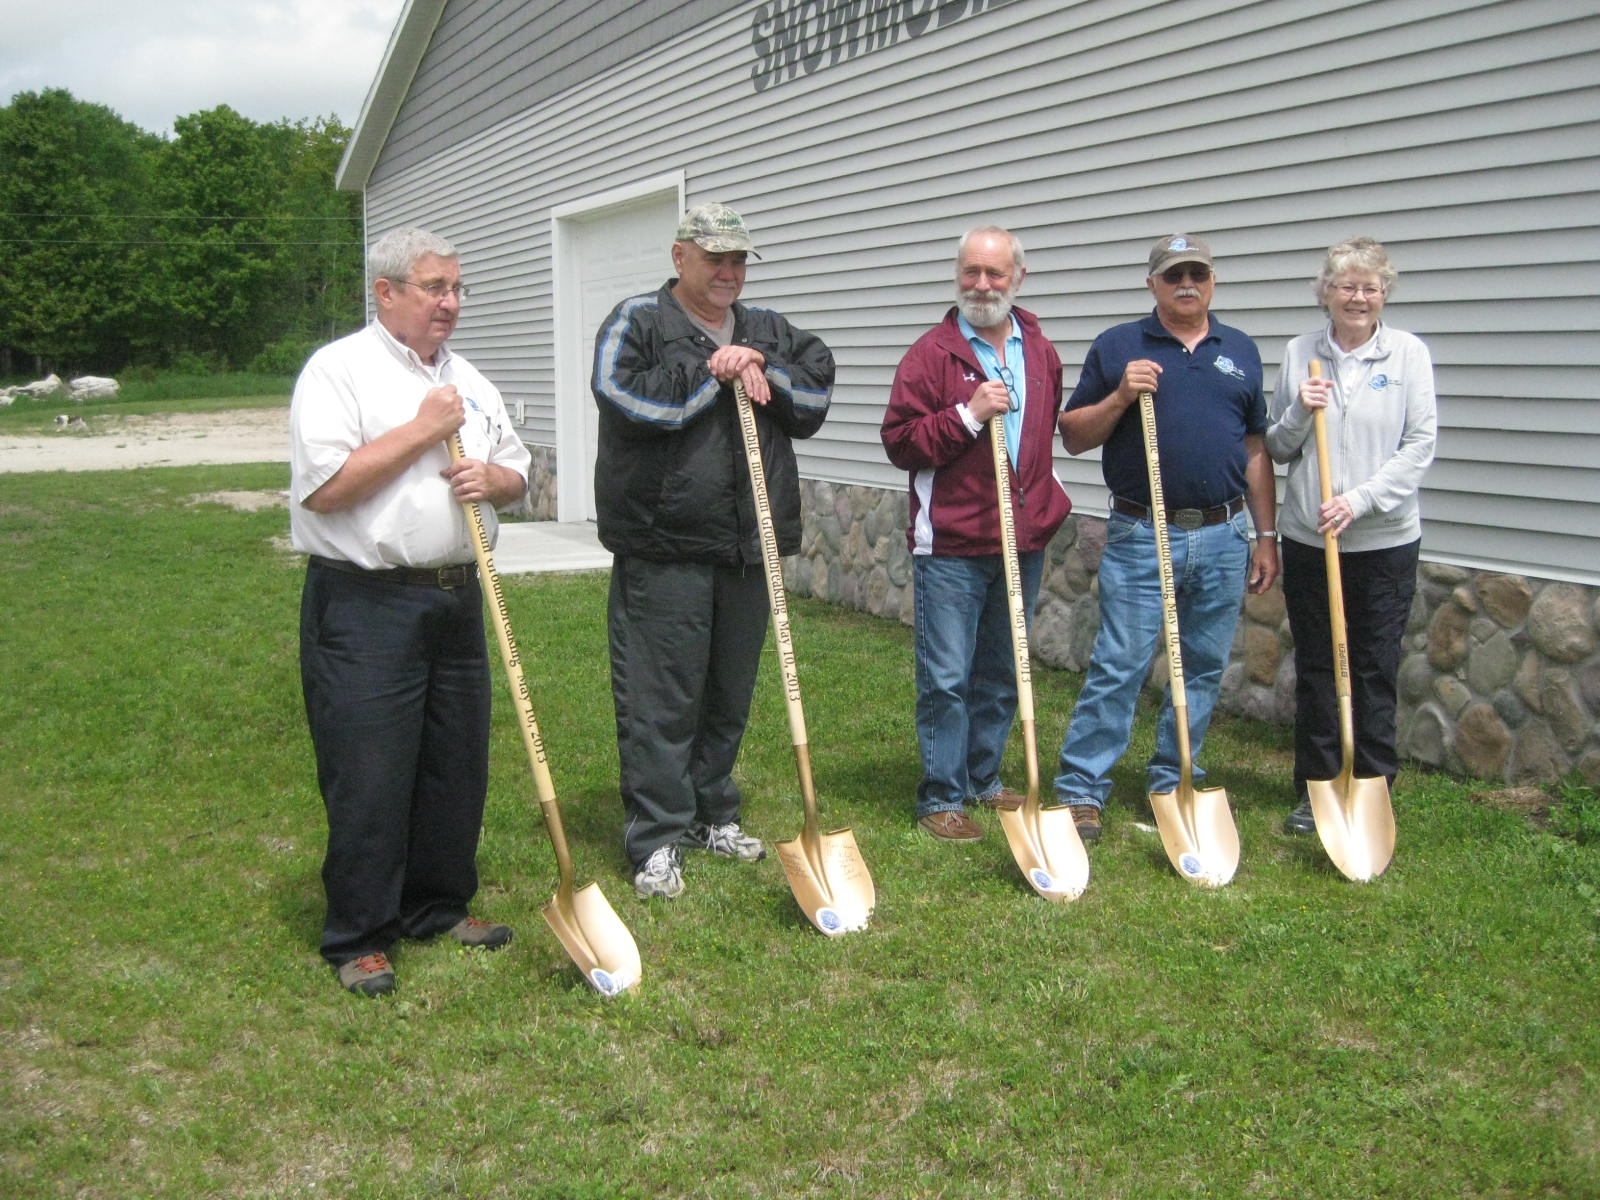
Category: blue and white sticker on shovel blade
[608,984]
[832,922]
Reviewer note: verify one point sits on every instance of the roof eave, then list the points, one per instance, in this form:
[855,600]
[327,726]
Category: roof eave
[407,44]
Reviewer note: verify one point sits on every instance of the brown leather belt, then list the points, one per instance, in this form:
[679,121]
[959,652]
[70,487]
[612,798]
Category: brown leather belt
[1183,518]
[453,576]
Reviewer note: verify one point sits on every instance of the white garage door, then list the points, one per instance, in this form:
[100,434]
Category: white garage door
[613,253]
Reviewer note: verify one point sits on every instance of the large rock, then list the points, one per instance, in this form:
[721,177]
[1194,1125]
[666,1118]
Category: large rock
[1506,598]
[1492,665]
[1537,756]
[1559,624]
[1447,637]
[92,387]
[43,389]
[1483,742]
[1564,710]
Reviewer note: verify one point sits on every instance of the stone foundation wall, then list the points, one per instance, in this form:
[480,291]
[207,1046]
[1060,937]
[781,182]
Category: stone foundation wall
[1500,679]
[541,501]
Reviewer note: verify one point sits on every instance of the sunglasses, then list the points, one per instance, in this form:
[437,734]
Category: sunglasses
[1195,272]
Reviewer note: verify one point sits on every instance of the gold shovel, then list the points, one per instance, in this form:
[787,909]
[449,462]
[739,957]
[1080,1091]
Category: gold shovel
[595,937]
[1044,841]
[1196,824]
[826,872]
[1354,817]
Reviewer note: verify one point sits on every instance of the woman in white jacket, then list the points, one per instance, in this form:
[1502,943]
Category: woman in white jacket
[1377,391]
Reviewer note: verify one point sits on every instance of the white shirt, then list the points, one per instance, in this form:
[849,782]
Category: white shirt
[352,392]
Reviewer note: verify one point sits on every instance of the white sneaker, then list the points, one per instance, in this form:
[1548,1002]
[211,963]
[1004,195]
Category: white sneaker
[661,875]
[727,840]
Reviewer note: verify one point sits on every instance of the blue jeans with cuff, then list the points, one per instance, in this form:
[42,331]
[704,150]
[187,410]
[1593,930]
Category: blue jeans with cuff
[966,672]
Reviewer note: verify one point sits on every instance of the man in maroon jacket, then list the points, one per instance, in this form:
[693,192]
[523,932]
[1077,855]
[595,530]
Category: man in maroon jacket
[985,360]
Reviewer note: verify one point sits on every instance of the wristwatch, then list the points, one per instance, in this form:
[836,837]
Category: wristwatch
[1267,533]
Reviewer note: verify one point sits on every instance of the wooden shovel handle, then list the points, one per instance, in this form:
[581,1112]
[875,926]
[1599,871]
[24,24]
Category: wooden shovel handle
[519,685]
[780,611]
[1330,553]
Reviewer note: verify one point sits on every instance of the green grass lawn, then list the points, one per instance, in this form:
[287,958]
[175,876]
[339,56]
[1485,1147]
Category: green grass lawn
[167,1028]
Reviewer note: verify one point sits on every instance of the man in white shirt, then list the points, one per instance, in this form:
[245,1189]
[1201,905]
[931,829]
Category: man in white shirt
[393,660]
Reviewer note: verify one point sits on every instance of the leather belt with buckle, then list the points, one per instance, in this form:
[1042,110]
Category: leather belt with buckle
[452,576]
[1183,518]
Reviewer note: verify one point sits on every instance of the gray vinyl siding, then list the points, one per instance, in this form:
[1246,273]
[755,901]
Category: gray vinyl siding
[1465,135]
[490,61]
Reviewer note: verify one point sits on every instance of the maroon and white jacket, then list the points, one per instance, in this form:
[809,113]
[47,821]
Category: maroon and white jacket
[954,502]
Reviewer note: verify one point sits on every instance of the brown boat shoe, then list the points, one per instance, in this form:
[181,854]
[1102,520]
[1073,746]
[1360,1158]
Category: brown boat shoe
[952,825]
[1004,800]
[1087,818]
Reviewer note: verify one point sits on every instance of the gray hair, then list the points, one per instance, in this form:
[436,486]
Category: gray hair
[1355,254]
[394,254]
[1016,242]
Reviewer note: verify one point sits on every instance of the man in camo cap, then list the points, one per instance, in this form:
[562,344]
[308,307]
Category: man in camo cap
[688,609]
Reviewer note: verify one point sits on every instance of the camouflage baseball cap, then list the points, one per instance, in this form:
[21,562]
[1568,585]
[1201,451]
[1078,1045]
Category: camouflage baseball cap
[1177,248]
[715,227]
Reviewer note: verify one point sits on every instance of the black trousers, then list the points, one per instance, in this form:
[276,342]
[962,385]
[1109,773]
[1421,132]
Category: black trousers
[396,683]
[686,643]
[1378,586]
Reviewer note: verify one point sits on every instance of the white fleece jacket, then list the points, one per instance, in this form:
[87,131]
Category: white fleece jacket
[1382,424]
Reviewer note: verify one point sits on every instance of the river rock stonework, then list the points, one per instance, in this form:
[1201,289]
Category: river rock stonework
[1500,674]
[540,503]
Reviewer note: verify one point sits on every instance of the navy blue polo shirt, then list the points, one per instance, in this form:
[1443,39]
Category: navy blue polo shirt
[1207,401]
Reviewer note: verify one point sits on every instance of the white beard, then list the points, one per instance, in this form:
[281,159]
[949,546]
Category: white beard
[983,309]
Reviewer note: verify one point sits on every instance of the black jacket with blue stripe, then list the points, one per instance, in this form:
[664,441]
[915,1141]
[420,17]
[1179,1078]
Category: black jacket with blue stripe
[670,481]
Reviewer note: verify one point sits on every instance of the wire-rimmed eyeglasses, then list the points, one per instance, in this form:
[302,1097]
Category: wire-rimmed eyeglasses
[438,289]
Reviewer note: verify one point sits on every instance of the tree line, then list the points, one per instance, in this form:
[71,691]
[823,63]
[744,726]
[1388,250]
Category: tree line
[222,247]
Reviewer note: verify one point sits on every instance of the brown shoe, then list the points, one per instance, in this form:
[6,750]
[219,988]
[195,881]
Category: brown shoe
[479,935]
[1087,818]
[952,825]
[1004,799]
[369,975]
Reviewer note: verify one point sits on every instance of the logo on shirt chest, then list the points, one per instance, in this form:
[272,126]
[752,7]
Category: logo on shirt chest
[1380,381]
[1225,365]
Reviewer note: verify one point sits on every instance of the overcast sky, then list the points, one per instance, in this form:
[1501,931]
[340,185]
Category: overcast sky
[153,60]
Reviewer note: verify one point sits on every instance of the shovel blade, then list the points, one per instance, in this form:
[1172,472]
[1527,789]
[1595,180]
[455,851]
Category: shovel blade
[596,939]
[1197,830]
[1046,845]
[1355,822]
[830,881]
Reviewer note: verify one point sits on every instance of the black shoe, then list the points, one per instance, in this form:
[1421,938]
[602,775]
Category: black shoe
[1300,819]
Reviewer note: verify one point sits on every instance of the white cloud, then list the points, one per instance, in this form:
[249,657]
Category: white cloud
[154,60]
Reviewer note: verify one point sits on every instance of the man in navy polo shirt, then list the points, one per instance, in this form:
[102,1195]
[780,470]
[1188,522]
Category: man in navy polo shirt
[1210,420]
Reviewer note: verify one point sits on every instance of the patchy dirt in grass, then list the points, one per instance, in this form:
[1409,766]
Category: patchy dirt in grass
[110,442]
[1530,802]
[243,501]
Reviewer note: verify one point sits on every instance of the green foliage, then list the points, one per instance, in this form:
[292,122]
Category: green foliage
[167,1029]
[70,170]
[209,249]
[285,356]
[1577,813]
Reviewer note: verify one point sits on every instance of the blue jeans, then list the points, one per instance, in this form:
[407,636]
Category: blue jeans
[966,673]
[1209,568]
